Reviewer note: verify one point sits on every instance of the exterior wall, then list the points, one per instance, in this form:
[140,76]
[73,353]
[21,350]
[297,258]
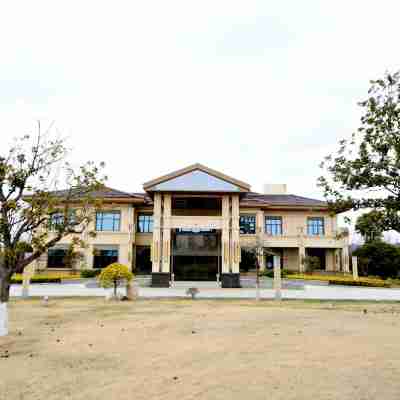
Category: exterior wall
[293,241]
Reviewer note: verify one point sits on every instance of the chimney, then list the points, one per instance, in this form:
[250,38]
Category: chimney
[275,188]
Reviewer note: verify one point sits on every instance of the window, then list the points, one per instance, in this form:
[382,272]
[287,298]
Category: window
[273,226]
[247,224]
[145,223]
[104,257]
[57,219]
[56,258]
[315,226]
[108,221]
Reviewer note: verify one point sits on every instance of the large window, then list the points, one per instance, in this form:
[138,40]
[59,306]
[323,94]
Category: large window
[273,226]
[247,224]
[104,257]
[56,258]
[315,226]
[108,221]
[145,223]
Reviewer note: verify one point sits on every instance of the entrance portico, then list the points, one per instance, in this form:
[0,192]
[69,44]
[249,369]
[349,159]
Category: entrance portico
[221,193]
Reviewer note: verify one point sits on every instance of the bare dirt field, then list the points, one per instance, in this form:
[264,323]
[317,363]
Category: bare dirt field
[170,349]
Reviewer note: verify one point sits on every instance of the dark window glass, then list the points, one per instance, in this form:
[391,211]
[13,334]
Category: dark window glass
[56,258]
[145,223]
[103,258]
[247,224]
[108,221]
[143,260]
[273,226]
[315,226]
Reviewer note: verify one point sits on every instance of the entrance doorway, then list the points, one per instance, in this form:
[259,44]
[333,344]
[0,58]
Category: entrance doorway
[196,254]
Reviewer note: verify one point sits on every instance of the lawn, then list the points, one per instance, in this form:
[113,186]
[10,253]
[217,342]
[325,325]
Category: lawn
[183,349]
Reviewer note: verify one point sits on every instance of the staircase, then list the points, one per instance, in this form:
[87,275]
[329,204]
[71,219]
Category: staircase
[195,284]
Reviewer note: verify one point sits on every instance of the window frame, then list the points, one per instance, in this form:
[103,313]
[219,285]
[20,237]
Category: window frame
[148,223]
[247,216]
[273,232]
[317,229]
[99,222]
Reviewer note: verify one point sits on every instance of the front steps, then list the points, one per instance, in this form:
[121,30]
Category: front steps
[195,284]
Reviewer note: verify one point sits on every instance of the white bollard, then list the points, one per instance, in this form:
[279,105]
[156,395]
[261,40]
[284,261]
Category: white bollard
[355,268]
[3,319]
[277,278]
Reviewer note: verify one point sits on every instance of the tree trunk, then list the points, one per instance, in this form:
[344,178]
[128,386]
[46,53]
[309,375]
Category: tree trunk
[115,289]
[4,296]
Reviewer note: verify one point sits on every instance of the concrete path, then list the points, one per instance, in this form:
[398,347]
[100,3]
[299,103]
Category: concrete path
[309,292]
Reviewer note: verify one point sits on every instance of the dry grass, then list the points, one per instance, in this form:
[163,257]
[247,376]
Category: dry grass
[183,349]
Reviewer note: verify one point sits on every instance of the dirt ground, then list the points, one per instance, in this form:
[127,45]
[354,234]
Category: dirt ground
[182,349]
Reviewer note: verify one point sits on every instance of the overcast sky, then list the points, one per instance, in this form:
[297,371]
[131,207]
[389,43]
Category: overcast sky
[260,90]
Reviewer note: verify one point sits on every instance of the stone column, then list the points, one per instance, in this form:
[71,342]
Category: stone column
[166,237]
[345,259]
[235,239]
[225,237]
[260,233]
[158,278]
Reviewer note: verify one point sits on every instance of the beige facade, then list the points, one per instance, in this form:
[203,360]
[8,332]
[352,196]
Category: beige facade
[200,203]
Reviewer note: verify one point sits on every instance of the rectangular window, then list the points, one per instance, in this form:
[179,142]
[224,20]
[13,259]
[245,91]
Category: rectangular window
[108,221]
[104,257]
[57,219]
[145,223]
[315,226]
[56,258]
[247,224]
[273,226]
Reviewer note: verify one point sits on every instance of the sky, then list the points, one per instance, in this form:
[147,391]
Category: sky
[259,90]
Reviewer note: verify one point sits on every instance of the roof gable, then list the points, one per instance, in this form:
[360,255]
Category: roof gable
[196,178]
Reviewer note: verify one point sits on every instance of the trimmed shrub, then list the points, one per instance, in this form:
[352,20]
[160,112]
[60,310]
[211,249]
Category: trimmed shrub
[90,273]
[361,282]
[114,275]
[269,273]
[44,279]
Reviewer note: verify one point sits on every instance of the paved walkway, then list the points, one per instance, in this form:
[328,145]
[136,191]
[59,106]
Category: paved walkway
[309,292]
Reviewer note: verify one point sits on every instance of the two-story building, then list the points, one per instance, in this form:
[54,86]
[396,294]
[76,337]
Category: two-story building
[196,224]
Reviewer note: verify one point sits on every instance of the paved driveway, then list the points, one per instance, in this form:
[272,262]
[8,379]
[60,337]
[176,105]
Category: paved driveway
[309,292]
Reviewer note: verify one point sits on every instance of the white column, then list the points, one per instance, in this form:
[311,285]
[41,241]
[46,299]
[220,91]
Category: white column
[302,254]
[260,235]
[3,319]
[277,278]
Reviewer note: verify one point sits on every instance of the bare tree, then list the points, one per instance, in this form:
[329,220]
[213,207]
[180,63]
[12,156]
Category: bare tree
[31,174]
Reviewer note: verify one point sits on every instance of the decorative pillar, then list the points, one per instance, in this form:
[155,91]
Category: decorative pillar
[166,237]
[260,237]
[158,278]
[235,238]
[230,242]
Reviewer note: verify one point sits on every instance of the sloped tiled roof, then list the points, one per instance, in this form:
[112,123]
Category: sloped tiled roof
[103,193]
[254,199]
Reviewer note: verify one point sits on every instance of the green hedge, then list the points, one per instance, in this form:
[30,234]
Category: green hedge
[18,281]
[359,283]
[90,273]
[269,273]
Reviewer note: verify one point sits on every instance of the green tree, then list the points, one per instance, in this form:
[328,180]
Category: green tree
[364,173]
[370,225]
[379,259]
[31,171]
